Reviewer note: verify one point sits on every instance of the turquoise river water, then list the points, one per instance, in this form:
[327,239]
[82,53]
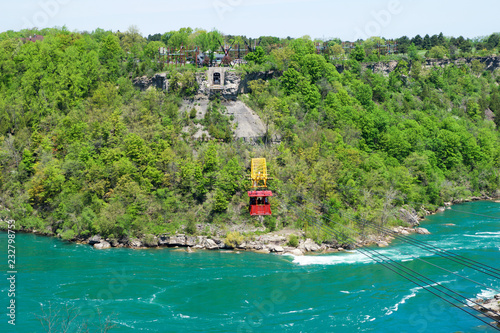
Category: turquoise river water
[167,290]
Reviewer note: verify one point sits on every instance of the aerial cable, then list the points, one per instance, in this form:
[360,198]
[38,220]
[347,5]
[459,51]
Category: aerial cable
[391,262]
[483,215]
[434,249]
[481,267]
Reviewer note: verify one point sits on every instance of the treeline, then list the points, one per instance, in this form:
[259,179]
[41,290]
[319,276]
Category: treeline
[82,152]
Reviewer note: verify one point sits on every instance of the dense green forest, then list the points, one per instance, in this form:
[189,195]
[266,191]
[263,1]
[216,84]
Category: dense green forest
[83,152]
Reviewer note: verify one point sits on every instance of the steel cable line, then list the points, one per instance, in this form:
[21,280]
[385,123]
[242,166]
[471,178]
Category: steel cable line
[386,261]
[478,266]
[329,231]
[483,215]
[407,239]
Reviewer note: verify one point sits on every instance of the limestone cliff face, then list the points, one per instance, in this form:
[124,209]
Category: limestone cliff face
[232,84]
[158,81]
[491,63]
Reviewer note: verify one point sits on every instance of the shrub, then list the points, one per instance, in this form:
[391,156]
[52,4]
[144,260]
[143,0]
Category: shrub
[150,240]
[233,239]
[191,227]
[270,223]
[192,113]
[293,240]
[68,235]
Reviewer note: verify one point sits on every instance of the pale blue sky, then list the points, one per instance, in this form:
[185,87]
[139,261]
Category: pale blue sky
[348,20]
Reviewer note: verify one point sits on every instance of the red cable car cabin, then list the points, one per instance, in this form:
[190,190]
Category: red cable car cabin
[259,202]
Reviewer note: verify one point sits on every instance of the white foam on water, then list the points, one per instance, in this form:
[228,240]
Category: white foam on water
[296,311]
[185,316]
[344,258]
[486,293]
[367,318]
[414,292]
[489,235]
[124,324]
[395,307]
[352,292]
[359,258]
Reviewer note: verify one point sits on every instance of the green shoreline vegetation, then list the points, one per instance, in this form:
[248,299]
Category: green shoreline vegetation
[83,152]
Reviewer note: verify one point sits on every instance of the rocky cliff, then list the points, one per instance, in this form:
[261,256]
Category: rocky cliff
[233,84]
[491,63]
[158,81]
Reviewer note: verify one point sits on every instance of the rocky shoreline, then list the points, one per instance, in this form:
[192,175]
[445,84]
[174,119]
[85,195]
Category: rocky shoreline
[276,242]
[270,243]
[490,307]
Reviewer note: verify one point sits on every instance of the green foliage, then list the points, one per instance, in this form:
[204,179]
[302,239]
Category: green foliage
[258,56]
[358,53]
[221,202]
[217,123]
[68,235]
[83,152]
[191,227]
[233,239]
[293,240]
[184,84]
[437,52]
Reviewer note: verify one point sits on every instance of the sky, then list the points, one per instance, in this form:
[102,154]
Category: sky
[324,19]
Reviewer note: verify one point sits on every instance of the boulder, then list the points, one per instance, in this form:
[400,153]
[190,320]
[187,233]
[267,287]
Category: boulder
[102,245]
[114,242]
[179,240]
[295,252]
[409,216]
[309,246]
[382,244]
[210,244]
[423,231]
[276,248]
[135,242]
[95,240]
[402,230]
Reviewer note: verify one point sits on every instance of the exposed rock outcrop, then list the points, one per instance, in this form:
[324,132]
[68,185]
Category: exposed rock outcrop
[95,240]
[409,216]
[102,245]
[490,63]
[158,81]
[231,86]
[309,246]
[490,307]
[135,243]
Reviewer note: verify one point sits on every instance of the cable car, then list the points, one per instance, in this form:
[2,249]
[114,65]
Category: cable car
[259,199]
